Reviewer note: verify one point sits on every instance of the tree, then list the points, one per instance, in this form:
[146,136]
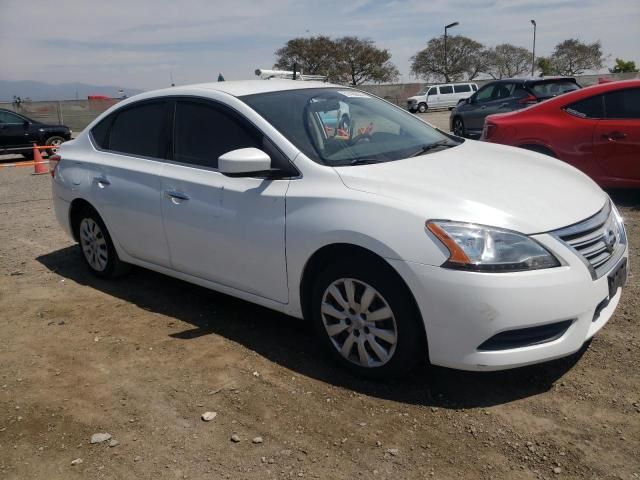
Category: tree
[465,58]
[345,60]
[360,61]
[623,67]
[508,61]
[545,66]
[572,57]
[314,55]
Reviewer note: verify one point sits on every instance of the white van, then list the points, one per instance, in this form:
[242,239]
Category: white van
[440,96]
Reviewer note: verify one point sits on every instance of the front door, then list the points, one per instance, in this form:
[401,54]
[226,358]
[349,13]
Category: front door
[617,135]
[13,131]
[226,230]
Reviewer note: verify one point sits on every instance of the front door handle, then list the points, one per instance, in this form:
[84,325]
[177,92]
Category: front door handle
[177,195]
[102,181]
[614,135]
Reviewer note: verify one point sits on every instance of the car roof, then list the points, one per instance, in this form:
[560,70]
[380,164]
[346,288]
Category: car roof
[243,87]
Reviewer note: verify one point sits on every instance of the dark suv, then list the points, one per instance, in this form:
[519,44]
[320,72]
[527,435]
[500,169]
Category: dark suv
[501,96]
[18,131]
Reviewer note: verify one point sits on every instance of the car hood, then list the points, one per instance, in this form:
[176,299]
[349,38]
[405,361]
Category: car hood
[415,97]
[484,183]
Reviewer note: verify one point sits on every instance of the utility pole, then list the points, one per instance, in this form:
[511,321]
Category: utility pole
[533,56]
[451,25]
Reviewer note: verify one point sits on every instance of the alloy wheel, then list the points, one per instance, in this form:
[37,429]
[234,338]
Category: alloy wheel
[94,244]
[458,128]
[359,322]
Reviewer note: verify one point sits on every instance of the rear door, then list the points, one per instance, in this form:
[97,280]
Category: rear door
[125,177]
[617,135]
[228,230]
[461,92]
[447,97]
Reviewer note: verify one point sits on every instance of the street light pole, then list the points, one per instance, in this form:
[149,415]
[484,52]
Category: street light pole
[446,27]
[533,56]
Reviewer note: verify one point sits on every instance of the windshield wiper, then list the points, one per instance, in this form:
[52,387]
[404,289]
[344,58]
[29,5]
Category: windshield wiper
[432,146]
[364,161]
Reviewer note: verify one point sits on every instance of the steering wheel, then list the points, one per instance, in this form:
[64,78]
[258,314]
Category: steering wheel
[365,135]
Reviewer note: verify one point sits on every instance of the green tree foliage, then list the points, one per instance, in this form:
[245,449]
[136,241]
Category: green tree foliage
[622,66]
[313,55]
[573,57]
[359,61]
[508,61]
[466,58]
[545,66]
[345,60]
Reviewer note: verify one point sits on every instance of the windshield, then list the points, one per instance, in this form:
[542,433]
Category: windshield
[342,126]
[553,89]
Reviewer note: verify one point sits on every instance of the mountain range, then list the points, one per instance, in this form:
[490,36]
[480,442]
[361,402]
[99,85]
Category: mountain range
[64,91]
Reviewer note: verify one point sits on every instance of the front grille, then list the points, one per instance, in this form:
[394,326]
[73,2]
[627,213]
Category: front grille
[599,240]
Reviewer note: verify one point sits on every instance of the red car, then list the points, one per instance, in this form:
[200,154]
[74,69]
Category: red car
[595,129]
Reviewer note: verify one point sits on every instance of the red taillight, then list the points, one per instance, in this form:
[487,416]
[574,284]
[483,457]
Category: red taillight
[488,130]
[528,100]
[53,164]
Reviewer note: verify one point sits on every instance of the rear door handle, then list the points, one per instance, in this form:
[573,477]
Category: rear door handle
[614,135]
[177,195]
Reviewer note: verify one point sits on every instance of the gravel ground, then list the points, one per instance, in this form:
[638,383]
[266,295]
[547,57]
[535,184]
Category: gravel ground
[145,357]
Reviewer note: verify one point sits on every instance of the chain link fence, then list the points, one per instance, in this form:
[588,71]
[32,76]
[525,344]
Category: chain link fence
[76,114]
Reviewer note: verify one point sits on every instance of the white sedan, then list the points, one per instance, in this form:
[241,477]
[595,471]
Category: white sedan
[400,243]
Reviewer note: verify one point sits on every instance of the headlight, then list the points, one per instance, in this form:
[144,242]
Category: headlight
[488,249]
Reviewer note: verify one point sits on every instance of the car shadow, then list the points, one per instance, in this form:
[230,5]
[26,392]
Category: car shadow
[626,198]
[290,342]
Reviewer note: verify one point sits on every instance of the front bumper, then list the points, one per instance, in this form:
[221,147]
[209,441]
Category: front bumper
[461,310]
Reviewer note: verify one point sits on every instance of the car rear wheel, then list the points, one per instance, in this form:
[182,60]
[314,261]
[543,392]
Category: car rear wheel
[367,319]
[422,107]
[96,246]
[458,127]
[56,141]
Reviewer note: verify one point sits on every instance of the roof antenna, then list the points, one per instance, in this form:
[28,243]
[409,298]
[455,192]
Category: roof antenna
[171,77]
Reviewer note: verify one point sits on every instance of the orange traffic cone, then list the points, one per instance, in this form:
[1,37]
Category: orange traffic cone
[38,166]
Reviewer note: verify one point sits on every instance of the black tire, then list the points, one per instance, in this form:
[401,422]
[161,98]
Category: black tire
[410,345]
[458,127]
[113,266]
[422,108]
[53,140]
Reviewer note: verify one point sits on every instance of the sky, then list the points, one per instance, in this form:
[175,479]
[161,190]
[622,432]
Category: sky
[141,43]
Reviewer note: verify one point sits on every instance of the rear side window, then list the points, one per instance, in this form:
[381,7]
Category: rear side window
[100,131]
[141,130]
[461,88]
[623,104]
[587,108]
[204,132]
[553,89]
[446,90]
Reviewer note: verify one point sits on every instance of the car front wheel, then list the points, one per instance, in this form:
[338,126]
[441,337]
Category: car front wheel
[458,127]
[422,107]
[367,319]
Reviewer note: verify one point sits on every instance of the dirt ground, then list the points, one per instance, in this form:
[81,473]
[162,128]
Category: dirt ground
[142,358]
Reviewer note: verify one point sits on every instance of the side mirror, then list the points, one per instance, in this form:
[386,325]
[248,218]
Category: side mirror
[244,162]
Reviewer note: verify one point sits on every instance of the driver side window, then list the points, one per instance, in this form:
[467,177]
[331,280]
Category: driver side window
[485,94]
[7,117]
[432,91]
